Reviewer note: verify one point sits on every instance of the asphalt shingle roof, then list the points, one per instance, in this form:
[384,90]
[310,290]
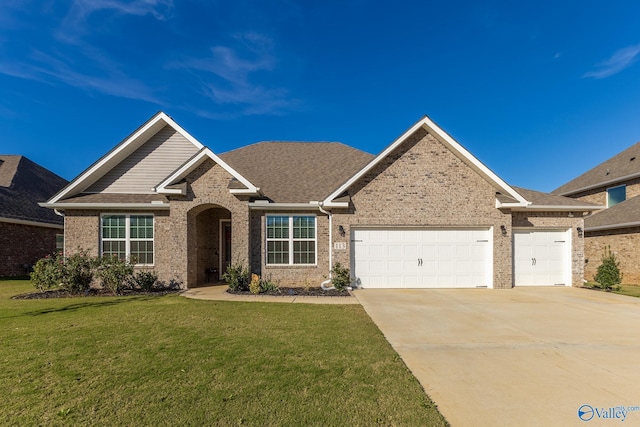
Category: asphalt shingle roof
[623,213]
[23,184]
[617,167]
[538,198]
[297,172]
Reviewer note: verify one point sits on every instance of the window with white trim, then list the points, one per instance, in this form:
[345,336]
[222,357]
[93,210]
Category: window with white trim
[291,239]
[616,195]
[127,237]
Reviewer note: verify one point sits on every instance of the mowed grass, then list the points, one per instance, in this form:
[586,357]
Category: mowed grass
[167,361]
[630,290]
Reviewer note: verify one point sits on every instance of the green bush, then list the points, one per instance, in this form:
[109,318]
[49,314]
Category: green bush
[237,277]
[609,276]
[266,285]
[49,272]
[145,280]
[114,273]
[340,276]
[78,271]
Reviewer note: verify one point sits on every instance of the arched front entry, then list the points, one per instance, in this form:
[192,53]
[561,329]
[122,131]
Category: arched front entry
[209,244]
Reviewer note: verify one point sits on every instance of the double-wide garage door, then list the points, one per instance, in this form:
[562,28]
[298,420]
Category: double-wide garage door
[422,258]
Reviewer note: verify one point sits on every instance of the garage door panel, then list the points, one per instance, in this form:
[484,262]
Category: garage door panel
[541,258]
[428,257]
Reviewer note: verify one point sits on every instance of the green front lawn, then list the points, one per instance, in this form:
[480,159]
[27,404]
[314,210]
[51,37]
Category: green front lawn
[174,361]
[629,290]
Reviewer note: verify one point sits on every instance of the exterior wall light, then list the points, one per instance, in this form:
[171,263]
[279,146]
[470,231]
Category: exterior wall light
[580,232]
[341,230]
[503,229]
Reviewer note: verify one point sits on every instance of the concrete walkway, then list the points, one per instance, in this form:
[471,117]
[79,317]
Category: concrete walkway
[219,293]
[517,357]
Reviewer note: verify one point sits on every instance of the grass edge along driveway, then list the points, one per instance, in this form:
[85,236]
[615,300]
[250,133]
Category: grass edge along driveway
[175,361]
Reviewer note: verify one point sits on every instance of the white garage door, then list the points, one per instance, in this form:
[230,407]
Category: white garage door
[422,258]
[541,258]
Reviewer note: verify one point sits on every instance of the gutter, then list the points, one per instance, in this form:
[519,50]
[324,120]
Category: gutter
[137,206]
[614,226]
[31,223]
[557,208]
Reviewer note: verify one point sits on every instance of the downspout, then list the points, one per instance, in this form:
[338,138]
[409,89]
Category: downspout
[324,284]
[64,239]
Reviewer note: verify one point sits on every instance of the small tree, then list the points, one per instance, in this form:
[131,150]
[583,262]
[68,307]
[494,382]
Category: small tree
[340,276]
[609,276]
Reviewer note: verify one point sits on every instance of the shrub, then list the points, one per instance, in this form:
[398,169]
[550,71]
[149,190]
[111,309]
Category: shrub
[266,285]
[609,276]
[340,276]
[237,277]
[145,280]
[78,271]
[48,272]
[254,286]
[115,273]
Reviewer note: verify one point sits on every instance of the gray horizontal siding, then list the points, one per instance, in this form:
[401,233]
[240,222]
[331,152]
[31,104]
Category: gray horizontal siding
[146,167]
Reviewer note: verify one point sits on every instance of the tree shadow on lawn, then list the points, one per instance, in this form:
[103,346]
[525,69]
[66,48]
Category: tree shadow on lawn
[82,305]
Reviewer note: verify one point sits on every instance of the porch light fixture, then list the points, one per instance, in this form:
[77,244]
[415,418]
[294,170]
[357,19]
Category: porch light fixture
[341,230]
[503,229]
[580,232]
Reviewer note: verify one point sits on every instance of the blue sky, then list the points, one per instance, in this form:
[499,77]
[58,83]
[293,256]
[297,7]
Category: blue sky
[538,91]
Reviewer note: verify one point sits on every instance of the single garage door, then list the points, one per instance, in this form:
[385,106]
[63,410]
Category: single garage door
[541,258]
[422,258]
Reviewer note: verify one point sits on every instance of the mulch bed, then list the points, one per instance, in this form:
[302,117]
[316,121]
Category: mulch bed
[56,293]
[307,292]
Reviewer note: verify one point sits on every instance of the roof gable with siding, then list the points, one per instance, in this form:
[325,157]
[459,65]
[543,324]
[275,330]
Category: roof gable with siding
[143,169]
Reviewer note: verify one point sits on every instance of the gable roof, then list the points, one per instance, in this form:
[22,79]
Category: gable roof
[23,184]
[119,153]
[427,124]
[297,172]
[621,167]
[171,184]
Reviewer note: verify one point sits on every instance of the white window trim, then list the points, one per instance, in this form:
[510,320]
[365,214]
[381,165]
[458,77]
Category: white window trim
[127,234]
[613,188]
[290,239]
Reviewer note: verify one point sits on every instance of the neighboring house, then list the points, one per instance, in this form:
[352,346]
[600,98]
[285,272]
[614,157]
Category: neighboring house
[615,184]
[423,213]
[28,232]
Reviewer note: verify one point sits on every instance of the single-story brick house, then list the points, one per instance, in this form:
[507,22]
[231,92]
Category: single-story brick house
[28,232]
[615,184]
[422,213]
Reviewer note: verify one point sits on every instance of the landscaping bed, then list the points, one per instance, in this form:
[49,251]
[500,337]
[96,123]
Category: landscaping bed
[298,291]
[61,293]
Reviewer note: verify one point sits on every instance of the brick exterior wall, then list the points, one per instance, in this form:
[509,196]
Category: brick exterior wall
[290,275]
[624,243]
[559,221]
[422,183]
[21,246]
[599,195]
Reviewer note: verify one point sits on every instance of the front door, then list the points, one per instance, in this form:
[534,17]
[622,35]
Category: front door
[225,245]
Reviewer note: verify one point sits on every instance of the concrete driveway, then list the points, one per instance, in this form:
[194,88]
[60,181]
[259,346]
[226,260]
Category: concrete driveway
[523,356]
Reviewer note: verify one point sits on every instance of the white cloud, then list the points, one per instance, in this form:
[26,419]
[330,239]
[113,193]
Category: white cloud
[620,60]
[232,69]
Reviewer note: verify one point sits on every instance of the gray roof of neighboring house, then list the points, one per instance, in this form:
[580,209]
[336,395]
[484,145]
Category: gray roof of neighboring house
[23,184]
[623,214]
[619,167]
[538,198]
[297,172]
